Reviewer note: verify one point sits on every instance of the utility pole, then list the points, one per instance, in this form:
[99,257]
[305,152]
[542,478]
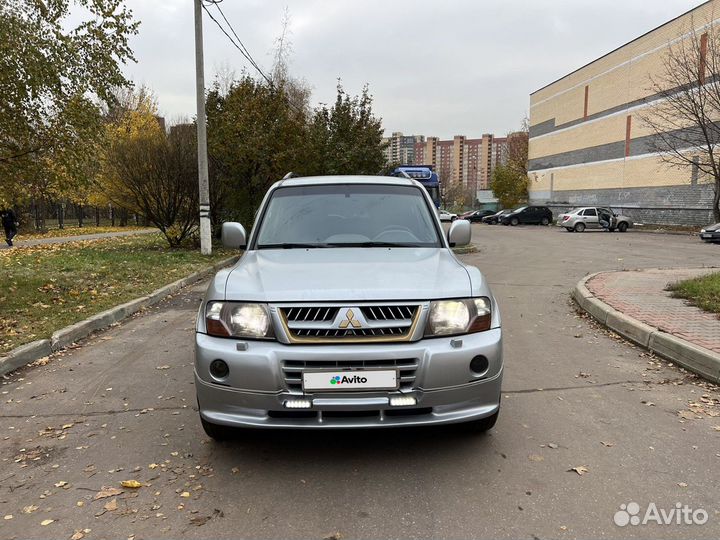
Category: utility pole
[205,236]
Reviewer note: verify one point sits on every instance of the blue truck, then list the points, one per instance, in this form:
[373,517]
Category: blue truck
[423,174]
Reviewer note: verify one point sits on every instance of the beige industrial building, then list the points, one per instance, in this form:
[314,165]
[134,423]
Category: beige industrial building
[589,146]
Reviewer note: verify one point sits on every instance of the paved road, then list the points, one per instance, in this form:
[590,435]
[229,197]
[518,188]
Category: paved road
[77,238]
[573,396]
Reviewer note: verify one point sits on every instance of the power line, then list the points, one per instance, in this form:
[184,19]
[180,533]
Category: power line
[243,50]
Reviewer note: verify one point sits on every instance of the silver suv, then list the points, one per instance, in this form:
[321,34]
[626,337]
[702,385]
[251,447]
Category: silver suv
[348,309]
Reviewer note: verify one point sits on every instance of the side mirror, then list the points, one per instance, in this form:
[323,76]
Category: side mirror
[459,233]
[233,235]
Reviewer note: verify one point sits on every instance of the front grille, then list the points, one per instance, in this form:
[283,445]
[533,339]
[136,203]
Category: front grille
[292,369]
[385,322]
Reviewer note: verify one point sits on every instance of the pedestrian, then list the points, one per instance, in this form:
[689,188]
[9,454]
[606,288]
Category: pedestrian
[10,224]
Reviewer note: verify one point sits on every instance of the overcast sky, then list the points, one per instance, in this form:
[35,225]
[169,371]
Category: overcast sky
[435,67]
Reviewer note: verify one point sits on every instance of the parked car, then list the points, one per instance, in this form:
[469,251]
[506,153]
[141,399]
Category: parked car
[446,216]
[711,233]
[476,216]
[493,219]
[536,215]
[357,315]
[588,217]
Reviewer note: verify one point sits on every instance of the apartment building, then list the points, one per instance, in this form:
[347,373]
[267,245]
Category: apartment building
[400,149]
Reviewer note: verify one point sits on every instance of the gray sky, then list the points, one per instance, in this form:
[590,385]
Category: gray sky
[440,67]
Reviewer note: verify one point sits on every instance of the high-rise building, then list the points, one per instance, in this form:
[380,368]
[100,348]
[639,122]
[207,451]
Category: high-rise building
[400,149]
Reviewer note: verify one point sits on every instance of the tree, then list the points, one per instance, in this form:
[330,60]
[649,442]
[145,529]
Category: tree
[153,172]
[684,115]
[255,137]
[51,73]
[346,138]
[509,182]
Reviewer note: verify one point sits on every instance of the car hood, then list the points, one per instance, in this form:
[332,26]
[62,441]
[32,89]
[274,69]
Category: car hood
[713,227]
[335,274]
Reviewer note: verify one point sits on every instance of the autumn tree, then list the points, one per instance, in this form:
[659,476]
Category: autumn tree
[684,114]
[53,71]
[509,182]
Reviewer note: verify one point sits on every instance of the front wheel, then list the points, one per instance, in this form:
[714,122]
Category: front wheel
[482,425]
[622,226]
[545,221]
[579,227]
[569,229]
[216,431]
[514,222]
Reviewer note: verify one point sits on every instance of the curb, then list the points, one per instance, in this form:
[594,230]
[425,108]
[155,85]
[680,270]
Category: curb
[30,352]
[699,360]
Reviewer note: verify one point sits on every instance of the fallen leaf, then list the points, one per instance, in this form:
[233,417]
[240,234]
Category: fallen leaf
[29,509]
[162,367]
[61,484]
[8,516]
[535,457]
[199,520]
[132,484]
[153,466]
[106,492]
[682,484]
[185,494]
[79,535]
[607,444]
[579,469]
[552,445]
[46,522]
[111,505]
[334,536]
[235,470]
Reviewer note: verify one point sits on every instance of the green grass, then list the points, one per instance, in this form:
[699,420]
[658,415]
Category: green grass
[703,292]
[44,288]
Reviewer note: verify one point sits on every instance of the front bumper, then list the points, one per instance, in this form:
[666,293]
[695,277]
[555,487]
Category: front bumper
[710,236]
[256,390]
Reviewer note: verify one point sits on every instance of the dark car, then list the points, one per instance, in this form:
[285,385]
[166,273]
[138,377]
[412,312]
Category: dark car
[493,219]
[476,215]
[536,215]
[711,233]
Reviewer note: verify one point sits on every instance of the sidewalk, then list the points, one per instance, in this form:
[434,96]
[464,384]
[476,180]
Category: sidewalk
[79,238]
[636,305]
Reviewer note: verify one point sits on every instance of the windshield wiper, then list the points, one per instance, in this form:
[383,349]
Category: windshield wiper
[374,244]
[291,245]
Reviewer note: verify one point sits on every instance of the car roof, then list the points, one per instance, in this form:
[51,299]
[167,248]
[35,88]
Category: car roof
[346,179]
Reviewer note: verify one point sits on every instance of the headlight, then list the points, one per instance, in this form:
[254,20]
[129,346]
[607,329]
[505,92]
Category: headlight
[234,319]
[702,230]
[453,317]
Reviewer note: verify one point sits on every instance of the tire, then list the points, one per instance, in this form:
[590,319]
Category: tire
[569,229]
[514,221]
[545,222]
[622,226]
[579,227]
[217,432]
[612,229]
[481,426]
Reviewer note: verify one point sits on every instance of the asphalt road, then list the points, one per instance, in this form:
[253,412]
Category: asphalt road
[121,407]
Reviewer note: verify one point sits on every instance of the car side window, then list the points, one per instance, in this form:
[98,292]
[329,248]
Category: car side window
[590,212]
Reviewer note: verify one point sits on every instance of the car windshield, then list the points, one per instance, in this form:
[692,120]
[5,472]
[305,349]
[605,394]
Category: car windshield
[347,215]
[520,209]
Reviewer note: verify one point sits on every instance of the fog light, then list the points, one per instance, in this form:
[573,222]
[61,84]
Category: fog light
[219,369]
[479,364]
[404,401]
[298,404]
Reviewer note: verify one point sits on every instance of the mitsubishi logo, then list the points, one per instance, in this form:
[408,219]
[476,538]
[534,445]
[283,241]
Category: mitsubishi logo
[350,320]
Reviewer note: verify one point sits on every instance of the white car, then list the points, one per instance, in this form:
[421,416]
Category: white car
[587,217]
[446,216]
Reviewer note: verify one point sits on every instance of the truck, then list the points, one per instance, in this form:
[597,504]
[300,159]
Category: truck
[425,175]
